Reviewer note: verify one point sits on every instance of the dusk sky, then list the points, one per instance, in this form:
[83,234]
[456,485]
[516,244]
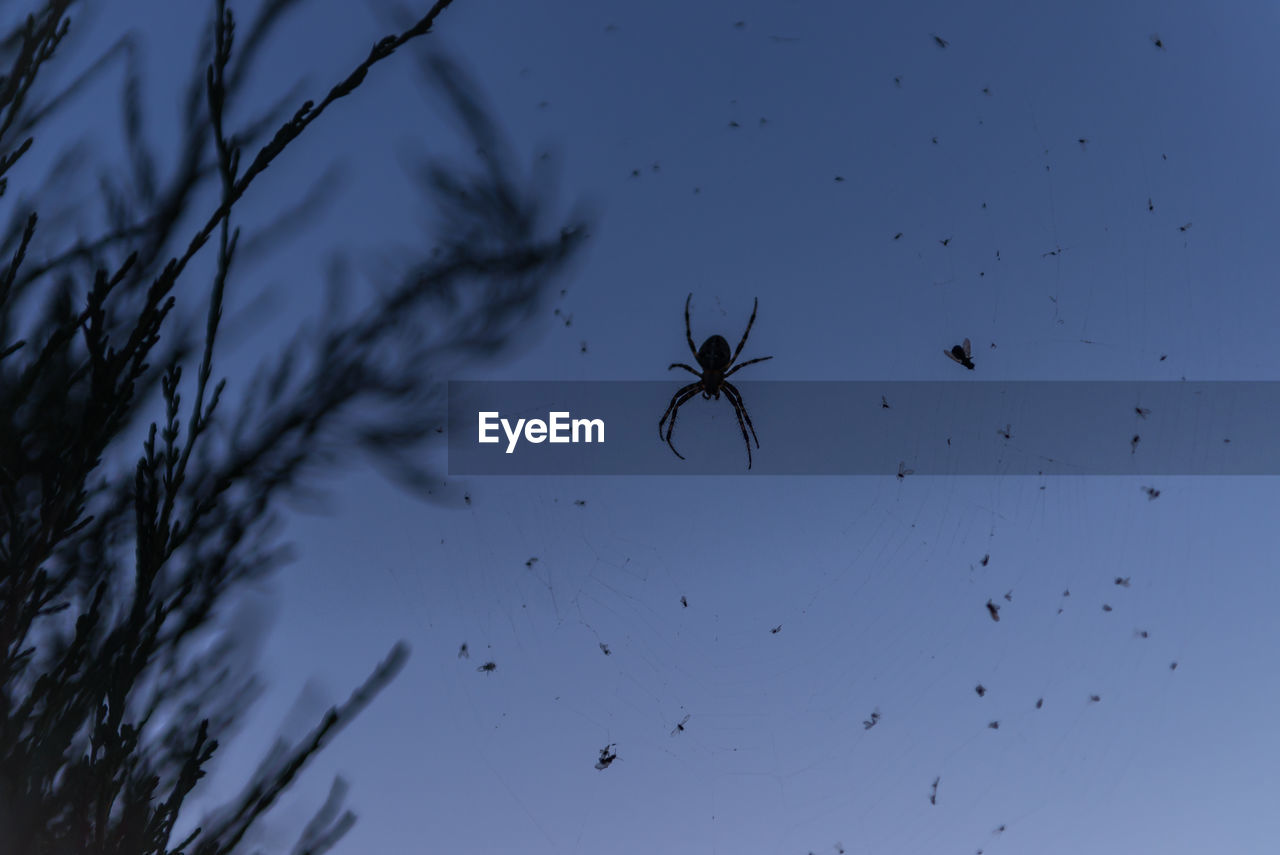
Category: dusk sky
[1080,201]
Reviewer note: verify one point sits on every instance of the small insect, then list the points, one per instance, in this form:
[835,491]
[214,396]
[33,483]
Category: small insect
[1163,357]
[986,559]
[1005,433]
[679,728]
[1106,608]
[1152,493]
[1084,141]
[903,471]
[994,725]
[940,41]
[1008,595]
[740,24]
[1142,633]
[531,562]
[986,90]
[1133,444]
[935,142]
[980,689]
[488,667]
[463,653]
[1151,206]
[839,179]
[733,124]
[897,81]
[684,603]
[604,648]
[466,497]
[1184,228]
[884,404]
[1123,581]
[962,354]
[582,347]
[582,503]
[999,830]
[777,629]
[869,723]
[1039,703]
[944,241]
[1093,699]
[1142,412]
[994,611]
[1066,592]
[1173,666]
[933,792]
[898,236]
[717,365]
[606,756]
[635,173]
[1157,41]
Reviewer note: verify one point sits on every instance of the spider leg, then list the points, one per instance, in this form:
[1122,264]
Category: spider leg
[688,331]
[675,408]
[730,388]
[745,364]
[685,367]
[676,400]
[754,306]
[739,410]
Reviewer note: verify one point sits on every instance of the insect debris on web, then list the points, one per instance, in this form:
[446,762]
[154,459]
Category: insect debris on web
[962,353]
[606,757]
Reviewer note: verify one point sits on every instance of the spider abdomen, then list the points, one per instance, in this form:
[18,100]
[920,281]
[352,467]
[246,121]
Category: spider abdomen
[714,354]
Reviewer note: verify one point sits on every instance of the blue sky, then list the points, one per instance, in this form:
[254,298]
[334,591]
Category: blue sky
[878,584]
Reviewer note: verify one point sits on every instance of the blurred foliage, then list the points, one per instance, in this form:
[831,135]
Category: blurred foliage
[121,661]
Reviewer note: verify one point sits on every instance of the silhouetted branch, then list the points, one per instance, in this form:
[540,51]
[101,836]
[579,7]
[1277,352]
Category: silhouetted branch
[119,665]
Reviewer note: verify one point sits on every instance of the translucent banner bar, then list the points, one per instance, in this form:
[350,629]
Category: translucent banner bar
[913,428]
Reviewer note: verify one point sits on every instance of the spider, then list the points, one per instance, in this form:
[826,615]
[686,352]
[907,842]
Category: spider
[716,361]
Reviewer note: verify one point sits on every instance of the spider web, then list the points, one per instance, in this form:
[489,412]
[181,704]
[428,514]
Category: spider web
[877,586]
[885,613]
